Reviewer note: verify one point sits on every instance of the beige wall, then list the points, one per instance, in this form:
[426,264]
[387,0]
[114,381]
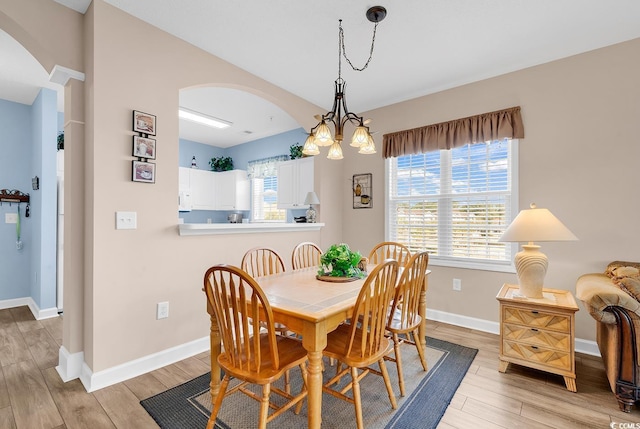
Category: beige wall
[139,67]
[579,158]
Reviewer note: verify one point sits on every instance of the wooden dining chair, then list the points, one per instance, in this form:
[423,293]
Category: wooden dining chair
[253,353]
[262,261]
[404,318]
[305,255]
[359,345]
[392,250]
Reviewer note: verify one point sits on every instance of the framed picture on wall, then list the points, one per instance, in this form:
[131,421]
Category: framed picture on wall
[144,172]
[362,191]
[144,147]
[144,123]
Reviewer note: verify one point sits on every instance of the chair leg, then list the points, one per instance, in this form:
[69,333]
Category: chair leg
[303,371]
[287,382]
[396,351]
[420,349]
[387,383]
[218,401]
[357,400]
[264,406]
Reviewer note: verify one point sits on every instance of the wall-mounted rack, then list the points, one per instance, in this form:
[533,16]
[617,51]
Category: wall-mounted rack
[13,196]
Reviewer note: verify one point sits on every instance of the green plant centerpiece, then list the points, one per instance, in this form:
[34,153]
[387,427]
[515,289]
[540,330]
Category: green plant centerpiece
[340,261]
[221,163]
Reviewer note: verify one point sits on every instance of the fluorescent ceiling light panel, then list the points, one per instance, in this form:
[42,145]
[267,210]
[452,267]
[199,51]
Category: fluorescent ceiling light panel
[200,118]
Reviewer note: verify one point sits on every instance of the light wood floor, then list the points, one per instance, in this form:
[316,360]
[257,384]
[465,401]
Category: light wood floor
[32,395]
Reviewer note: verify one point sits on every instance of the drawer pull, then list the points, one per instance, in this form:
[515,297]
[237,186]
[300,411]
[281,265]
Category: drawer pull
[534,329]
[534,312]
[534,347]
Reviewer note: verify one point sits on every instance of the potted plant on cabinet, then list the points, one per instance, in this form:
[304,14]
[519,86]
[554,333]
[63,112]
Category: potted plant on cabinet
[221,163]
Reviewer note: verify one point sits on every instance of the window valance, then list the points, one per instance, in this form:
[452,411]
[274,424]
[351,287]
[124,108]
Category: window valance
[261,168]
[490,126]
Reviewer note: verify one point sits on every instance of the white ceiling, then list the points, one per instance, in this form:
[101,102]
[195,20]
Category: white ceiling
[423,46]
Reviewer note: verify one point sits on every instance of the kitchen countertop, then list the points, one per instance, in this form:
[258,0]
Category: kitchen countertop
[244,228]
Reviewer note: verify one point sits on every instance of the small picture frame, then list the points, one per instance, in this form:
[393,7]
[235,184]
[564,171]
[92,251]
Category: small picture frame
[144,147]
[144,123]
[144,172]
[362,191]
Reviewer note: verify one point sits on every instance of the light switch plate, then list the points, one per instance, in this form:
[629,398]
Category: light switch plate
[126,220]
[11,218]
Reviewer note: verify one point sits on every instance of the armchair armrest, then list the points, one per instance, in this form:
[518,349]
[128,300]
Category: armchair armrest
[598,292]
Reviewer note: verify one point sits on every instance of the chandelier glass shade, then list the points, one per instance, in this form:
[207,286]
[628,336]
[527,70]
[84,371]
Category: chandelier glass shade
[339,115]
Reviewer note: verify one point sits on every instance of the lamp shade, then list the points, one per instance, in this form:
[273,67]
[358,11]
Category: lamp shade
[311,198]
[536,224]
[335,151]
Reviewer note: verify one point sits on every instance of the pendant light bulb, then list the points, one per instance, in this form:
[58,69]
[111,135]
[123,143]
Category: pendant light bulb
[360,136]
[323,135]
[335,151]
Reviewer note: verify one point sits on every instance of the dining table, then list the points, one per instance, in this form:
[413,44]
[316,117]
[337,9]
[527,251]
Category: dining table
[311,308]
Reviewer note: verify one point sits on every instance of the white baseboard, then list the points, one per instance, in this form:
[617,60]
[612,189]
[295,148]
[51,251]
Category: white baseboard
[582,346]
[97,380]
[38,313]
[69,364]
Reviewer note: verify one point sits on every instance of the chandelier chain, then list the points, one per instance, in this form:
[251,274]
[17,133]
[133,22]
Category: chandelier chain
[342,51]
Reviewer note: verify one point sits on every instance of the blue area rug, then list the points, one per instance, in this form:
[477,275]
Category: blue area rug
[187,406]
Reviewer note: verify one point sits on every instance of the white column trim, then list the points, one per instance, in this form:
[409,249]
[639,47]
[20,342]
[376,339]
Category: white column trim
[69,364]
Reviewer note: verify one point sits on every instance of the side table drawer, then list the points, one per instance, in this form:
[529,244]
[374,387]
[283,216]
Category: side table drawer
[540,355]
[537,337]
[536,319]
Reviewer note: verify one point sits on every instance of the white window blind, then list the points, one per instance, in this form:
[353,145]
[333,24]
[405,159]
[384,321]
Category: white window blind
[455,204]
[264,190]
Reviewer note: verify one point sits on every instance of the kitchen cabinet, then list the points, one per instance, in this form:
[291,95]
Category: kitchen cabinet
[232,190]
[209,190]
[202,184]
[295,179]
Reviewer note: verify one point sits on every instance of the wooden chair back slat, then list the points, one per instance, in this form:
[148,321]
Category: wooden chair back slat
[262,261]
[305,255]
[239,305]
[406,303]
[369,316]
[390,250]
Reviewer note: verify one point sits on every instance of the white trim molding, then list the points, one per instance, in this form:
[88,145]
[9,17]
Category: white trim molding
[38,313]
[69,364]
[97,380]
[244,228]
[582,346]
[61,75]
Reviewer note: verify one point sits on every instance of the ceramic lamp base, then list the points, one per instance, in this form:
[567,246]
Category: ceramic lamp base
[311,215]
[531,267]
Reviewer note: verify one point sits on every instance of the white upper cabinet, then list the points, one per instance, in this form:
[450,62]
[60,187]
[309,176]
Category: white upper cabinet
[202,183]
[209,190]
[295,179]
[232,190]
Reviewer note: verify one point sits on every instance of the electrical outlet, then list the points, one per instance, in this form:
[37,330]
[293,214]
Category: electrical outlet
[162,310]
[126,220]
[457,284]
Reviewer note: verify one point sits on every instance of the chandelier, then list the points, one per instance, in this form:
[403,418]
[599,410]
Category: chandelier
[320,135]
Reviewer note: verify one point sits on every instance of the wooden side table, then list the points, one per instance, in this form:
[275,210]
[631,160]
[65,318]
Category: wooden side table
[538,333]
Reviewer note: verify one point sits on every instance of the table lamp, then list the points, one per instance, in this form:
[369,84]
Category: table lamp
[311,199]
[531,225]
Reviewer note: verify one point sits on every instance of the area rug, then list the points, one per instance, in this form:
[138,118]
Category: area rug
[188,405]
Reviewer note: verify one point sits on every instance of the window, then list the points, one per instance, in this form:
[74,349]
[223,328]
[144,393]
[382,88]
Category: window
[455,204]
[264,190]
